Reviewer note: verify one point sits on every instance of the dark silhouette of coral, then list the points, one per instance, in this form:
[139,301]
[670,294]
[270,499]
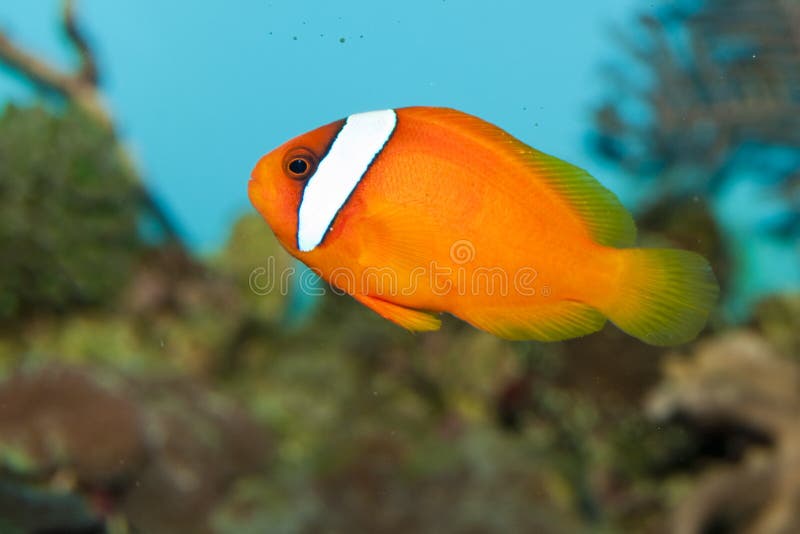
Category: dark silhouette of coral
[739,384]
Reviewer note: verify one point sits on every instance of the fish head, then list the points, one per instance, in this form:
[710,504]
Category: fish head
[279,178]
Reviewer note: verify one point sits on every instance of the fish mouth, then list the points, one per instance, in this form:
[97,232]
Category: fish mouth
[255,192]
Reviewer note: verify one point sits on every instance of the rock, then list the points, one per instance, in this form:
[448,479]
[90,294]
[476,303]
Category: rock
[54,419]
[778,318]
[126,446]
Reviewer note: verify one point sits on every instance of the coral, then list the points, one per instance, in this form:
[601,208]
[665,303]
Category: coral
[121,447]
[55,418]
[68,212]
[738,385]
[778,318]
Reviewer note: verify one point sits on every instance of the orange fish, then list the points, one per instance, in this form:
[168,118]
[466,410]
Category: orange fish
[419,211]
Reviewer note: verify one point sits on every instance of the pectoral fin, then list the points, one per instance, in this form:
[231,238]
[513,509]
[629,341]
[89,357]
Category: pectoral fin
[410,319]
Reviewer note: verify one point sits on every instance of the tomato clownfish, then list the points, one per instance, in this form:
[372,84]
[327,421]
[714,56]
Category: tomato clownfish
[421,210]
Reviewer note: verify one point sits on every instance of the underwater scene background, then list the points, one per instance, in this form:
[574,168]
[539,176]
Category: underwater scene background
[166,367]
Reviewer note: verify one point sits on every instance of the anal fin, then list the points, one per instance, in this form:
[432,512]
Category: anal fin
[546,322]
[408,318]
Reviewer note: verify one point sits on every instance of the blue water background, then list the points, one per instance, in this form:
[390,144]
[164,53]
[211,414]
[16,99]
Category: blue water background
[202,89]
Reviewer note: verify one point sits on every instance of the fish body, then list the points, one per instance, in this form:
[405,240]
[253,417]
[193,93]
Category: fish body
[419,211]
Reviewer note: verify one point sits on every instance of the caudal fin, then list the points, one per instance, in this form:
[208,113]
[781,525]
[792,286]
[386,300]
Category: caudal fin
[665,295]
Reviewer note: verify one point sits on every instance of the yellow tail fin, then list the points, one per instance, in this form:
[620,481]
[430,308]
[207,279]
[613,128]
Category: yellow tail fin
[665,295]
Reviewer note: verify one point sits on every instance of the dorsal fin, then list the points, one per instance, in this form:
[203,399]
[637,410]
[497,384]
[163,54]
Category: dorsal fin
[606,219]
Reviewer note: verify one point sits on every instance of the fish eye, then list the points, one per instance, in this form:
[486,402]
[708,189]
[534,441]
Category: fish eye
[299,164]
